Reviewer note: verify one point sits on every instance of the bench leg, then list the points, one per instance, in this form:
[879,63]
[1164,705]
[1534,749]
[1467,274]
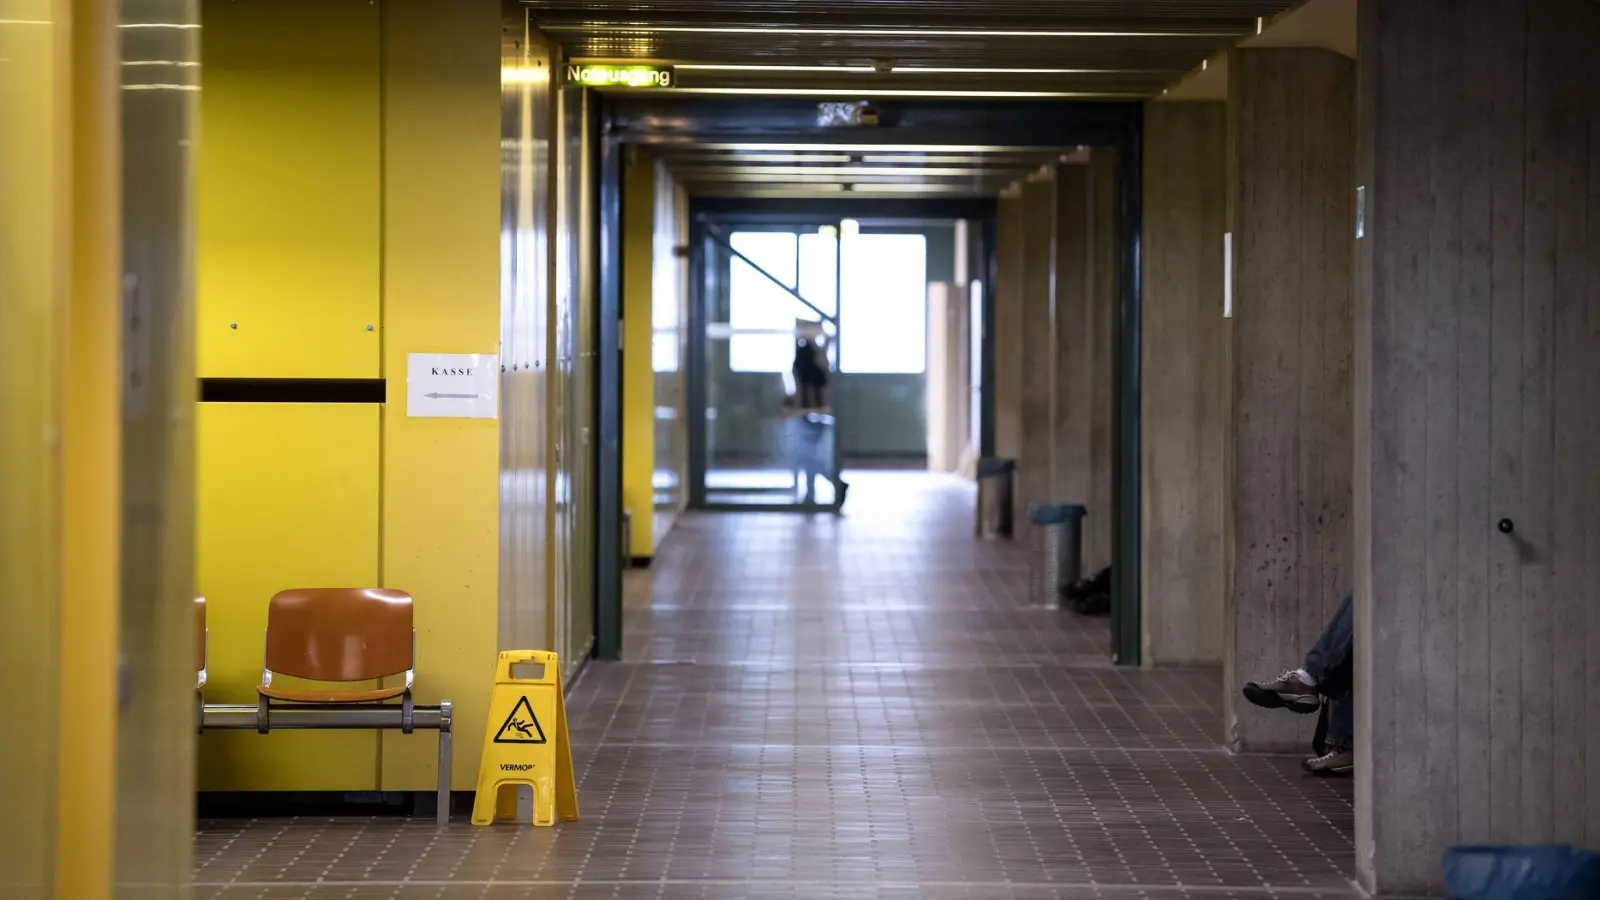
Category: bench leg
[444,776]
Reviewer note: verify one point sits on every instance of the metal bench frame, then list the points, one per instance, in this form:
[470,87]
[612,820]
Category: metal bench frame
[268,715]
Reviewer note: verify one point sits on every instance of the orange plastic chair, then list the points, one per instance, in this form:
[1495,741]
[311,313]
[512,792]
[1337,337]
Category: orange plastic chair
[338,636]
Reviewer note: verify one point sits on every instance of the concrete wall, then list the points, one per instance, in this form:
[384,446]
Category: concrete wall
[1036,459]
[1055,299]
[1074,362]
[1184,380]
[1007,347]
[1104,264]
[1292,120]
[1479,400]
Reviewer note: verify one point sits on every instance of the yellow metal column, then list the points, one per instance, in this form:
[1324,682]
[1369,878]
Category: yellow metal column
[35,181]
[91,463]
[638,373]
[441,294]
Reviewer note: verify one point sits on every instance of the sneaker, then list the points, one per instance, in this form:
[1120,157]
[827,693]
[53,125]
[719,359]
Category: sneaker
[1287,691]
[1334,762]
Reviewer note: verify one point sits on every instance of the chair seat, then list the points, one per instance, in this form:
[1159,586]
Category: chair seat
[375,695]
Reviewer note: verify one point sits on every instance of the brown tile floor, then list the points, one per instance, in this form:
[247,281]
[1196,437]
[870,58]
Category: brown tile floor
[862,707]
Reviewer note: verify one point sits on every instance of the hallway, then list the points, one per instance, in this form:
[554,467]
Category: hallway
[857,707]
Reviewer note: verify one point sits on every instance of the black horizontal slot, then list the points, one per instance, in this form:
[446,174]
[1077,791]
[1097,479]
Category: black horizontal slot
[292,390]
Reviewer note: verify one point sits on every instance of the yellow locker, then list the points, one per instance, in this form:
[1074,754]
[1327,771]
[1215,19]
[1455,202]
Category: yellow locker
[289,173]
[287,497]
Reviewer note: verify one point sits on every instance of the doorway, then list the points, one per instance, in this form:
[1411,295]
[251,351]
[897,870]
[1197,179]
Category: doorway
[767,292]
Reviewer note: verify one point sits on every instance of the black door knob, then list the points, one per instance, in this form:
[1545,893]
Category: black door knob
[1507,526]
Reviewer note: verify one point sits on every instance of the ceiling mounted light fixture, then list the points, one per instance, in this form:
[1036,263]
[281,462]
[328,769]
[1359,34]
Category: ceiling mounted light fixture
[642,29]
[876,92]
[893,67]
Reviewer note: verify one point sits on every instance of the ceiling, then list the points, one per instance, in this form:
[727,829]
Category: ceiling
[752,171]
[979,50]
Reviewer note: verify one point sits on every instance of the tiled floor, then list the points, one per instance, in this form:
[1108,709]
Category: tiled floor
[862,707]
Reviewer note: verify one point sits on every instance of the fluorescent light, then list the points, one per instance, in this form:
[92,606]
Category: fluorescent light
[870,148]
[746,159]
[709,67]
[959,70]
[524,75]
[874,92]
[846,171]
[912,70]
[976,159]
[874,32]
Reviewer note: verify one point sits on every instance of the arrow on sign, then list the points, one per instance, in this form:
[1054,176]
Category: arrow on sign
[451,396]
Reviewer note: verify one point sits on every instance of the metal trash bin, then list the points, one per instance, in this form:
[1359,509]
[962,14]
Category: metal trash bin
[1057,560]
[1549,872]
[996,483]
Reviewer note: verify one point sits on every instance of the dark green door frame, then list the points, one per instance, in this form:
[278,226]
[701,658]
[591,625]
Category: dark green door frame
[667,118]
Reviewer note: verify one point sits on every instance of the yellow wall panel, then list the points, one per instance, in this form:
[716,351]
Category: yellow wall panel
[638,373]
[289,183]
[34,287]
[287,497]
[442,295]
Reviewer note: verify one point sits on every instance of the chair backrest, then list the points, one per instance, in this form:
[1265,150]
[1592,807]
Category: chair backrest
[339,634]
[200,636]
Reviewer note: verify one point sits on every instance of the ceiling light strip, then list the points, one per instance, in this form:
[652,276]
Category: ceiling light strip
[913,70]
[782,30]
[829,147]
[877,92]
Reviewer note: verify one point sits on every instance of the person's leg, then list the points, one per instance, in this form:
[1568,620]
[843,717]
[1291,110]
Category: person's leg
[1298,689]
[812,442]
[1332,649]
[1340,758]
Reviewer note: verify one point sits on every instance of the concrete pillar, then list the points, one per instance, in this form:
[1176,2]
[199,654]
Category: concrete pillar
[1184,381]
[1007,347]
[1104,264]
[1478,399]
[1292,120]
[1073,338]
[1036,459]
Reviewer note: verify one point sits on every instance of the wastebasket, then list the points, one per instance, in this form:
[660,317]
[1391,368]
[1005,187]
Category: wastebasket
[1549,872]
[995,486]
[1057,557]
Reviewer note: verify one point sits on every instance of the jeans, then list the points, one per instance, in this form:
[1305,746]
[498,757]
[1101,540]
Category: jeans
[813,453]
[1332,662]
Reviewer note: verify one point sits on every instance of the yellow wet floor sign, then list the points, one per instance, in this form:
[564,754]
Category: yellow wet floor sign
[526,744]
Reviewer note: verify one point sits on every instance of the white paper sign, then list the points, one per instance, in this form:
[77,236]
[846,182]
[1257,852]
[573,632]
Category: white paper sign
[453,385]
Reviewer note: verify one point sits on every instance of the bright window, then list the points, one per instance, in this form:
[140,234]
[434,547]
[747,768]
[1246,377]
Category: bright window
[761,313]
[885,315]
[884,320]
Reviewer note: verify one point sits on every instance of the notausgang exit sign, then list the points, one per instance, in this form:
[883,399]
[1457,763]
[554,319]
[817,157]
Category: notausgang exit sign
[608,75]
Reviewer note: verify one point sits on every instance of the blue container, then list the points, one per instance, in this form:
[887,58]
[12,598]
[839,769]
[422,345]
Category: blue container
[1549,872]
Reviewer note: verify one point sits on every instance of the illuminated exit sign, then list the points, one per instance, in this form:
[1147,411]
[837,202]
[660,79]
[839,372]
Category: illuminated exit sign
[605,75]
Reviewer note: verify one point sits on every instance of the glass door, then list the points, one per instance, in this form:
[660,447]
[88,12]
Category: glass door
[768,345]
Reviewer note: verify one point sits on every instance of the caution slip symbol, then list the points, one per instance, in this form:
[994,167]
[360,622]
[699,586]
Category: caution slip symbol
[521,727]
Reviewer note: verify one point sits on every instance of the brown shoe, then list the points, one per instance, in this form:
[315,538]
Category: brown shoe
[1334,762]
[1287,691]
